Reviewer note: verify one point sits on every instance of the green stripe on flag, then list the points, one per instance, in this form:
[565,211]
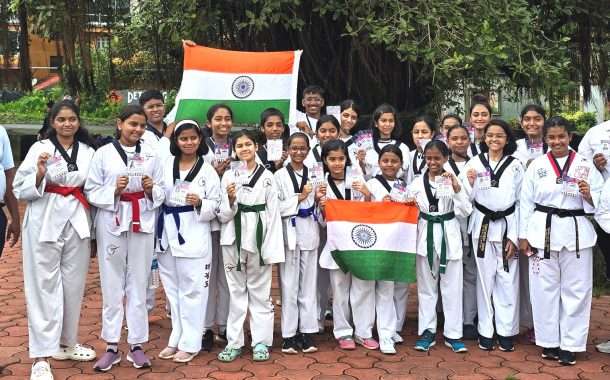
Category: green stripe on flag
[377,264]
[244,111]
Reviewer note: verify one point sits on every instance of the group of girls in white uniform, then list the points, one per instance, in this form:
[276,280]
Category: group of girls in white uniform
[493,212]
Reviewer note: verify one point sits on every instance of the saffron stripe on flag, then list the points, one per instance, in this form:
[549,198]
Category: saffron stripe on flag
[378,265]
[229,61]
[370,212]
[244,111]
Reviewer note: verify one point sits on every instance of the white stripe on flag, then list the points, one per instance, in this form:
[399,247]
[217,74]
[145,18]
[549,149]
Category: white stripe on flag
[209,85]
[398,236]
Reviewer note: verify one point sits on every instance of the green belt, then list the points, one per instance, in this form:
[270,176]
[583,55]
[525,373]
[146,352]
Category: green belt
[241,208]
[432,220]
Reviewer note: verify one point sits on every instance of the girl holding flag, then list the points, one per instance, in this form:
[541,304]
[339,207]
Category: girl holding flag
[125,183]
[251,240]
[56,238]
[192,196]
[301,237]
[560,188]
[493,182]
[344,286]
[219,154]
[440,198]
[382,187]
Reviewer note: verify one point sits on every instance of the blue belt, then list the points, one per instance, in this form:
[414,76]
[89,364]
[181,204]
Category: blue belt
[175,211]
[303,213]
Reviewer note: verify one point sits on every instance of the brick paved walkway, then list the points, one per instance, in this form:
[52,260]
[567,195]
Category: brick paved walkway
[328,363]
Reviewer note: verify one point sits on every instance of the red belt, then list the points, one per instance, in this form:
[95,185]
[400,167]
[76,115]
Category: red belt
[76,192]
[134,198]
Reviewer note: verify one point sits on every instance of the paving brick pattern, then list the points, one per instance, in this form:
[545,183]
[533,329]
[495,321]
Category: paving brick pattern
[328,363]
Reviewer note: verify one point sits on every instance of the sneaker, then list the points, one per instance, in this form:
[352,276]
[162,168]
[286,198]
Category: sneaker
[346,343]
[550,353]
[289,346]
[566,357]
[486,344]
[368,343]
[470,332]
[604,347]
[505,343]
[307,345]
[425,341]
[207,343]
[397,338]
[386,346]
[138,358]
[107,360]
[41,370]
[456,345]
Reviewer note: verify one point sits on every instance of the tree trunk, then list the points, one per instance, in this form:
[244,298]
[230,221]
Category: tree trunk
[24,49]
[4,40]
[84,47]
[70,69]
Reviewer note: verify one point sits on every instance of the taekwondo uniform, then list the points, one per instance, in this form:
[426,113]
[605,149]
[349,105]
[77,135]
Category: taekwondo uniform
[185,237]
[125,226]
[561,268]
[251,240]
[56,244]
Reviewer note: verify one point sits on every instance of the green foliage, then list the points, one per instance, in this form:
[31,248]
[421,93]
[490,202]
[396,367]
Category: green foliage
[582,120]
[95,110]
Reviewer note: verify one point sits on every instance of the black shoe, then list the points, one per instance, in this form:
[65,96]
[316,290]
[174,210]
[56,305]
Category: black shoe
[207,343]
[506,343]
[550,353]
[307,345]
[469,332]
[290,346]
[486,344]
[566,357]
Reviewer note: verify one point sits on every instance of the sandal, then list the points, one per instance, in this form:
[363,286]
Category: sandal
[167,353]
[77,352]
[229,354]
[260,353]
[184,357]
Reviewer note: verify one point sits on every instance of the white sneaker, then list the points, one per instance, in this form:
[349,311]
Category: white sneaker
[386,346]
[41,370]
[604,347]
[397,338]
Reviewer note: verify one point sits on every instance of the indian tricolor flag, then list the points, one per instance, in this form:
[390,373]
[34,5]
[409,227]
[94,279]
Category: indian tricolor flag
[373,240]
[248,82]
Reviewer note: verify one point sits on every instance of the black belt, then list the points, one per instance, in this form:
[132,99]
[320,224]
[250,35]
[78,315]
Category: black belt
[562,213]
[489,215]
